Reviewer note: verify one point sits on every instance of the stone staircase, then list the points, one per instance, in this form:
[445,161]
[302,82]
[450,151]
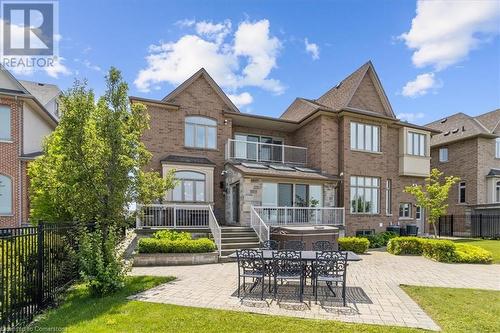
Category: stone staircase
[234,238]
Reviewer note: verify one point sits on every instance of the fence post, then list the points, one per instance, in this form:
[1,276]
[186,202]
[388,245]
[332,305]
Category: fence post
[451,225]
[39,273]
[175,216]
[481,225]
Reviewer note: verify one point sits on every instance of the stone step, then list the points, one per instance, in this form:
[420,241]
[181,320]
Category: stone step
[238,234]
[248,245]
[246,239]
[237,229]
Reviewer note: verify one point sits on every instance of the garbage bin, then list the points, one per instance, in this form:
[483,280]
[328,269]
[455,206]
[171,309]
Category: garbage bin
[411,230]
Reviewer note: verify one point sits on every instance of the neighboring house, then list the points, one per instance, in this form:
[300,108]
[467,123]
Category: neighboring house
[344,149]
[469,148]
[24,122]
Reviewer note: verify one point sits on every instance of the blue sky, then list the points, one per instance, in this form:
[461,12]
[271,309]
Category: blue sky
[257,50]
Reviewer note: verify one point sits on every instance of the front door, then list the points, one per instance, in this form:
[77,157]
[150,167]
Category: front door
[235,193]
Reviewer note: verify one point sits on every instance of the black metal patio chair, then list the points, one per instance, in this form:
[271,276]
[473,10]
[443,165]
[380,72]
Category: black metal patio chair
[288,265]
[269,245]
[294,245]
[251,264]
[330,267]
[323,246]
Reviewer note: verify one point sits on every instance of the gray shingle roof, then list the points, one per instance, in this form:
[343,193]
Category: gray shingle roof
[43,92]
[187,160]
[494,172]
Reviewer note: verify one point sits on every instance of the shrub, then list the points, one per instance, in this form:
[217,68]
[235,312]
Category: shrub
[439,250]
[354,244]
[172,235]
[154,245]
[471,254]
[379,240]
[405,245]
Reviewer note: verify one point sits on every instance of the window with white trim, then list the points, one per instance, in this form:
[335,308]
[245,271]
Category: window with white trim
[416,144]
[5,120]
[388,197]
[191,187]
[443,154]
[418,213]
[461,192]
[365,193]
[405,210]
[200,132]
[497,191]
[497,147]
[5,195]
[365,137]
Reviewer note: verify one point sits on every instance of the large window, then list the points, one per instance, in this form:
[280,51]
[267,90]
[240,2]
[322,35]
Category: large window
[200,132]
[443,154]
[5,123]
[5,195]
[190,187]
[388,197]
[497,148]
[497,191]
[365,195]
[365,137]
[288,195]
[416,144]
[405,210]
[461,192]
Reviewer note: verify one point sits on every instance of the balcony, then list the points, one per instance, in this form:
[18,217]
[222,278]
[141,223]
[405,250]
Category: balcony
[237,150]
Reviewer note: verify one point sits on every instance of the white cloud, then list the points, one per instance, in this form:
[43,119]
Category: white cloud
[241,100]
[410,116]
[444,32]
[213,47]
[312,48]
[57,68]
[421,85]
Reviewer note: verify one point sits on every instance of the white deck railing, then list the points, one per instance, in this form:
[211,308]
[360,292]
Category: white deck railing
[179,216]
[258,225]
[275,216]
[265,152]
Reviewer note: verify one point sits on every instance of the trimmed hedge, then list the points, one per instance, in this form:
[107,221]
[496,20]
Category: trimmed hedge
[153,245]
[172,235]
[355,244]
[439,250]
[380,239]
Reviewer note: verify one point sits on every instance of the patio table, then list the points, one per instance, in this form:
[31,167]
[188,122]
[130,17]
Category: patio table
[306,255]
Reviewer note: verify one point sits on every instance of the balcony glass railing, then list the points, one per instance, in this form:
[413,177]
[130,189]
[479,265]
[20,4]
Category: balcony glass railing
[265,152]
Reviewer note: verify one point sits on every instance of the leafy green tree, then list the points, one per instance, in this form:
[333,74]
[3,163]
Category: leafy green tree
[93,165]
[433,195]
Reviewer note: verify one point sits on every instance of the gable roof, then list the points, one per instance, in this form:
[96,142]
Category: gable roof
[461,126]
[44,92]
[211,82]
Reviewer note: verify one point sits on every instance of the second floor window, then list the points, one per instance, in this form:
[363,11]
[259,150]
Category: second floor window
[365,195]
[365,137]
[461,192]
[415,144]
[405,210]
[497,148]
[443,154]
[200,132]
[5,123]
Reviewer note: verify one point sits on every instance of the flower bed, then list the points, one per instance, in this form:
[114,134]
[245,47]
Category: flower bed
[439,250]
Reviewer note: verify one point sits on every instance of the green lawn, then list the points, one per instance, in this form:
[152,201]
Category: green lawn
[491,245]
[456,310]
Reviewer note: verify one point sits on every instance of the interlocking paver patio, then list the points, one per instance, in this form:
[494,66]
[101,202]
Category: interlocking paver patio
[374,295]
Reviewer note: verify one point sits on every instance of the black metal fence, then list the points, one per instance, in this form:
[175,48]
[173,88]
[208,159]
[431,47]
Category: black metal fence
[475,225]
[37,263]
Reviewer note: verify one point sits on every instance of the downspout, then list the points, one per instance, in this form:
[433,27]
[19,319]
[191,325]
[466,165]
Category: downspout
[20,172]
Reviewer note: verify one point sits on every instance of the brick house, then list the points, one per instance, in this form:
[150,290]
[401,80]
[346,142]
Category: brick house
[28,112]
[345,154]
[469,148]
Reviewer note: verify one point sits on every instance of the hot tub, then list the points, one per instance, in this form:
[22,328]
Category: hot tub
[307,234]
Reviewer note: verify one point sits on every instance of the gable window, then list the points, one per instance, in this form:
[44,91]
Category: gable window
[443,154]
[461,192]
[405,210]
[497,191]
[388,197]
[415,144]
[365,137]
[5,195]
[190,187]
[5,123]
[200,132]
[497,147]
[364,195]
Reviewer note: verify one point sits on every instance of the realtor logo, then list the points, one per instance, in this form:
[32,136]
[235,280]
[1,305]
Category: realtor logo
[29,31]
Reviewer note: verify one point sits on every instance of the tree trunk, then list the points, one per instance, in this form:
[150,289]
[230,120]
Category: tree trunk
[435,231]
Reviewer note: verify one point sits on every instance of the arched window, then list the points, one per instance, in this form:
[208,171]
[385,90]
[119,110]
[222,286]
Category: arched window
[497,191]
[5,195]
[190,187]
[200,132]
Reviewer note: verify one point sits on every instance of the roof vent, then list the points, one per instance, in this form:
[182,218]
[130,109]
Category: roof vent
[338,85]
[463,128]
[447,133]
[41,84]
[454,131]
[444,120]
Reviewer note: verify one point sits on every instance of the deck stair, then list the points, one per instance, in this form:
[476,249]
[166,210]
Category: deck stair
[233,238]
